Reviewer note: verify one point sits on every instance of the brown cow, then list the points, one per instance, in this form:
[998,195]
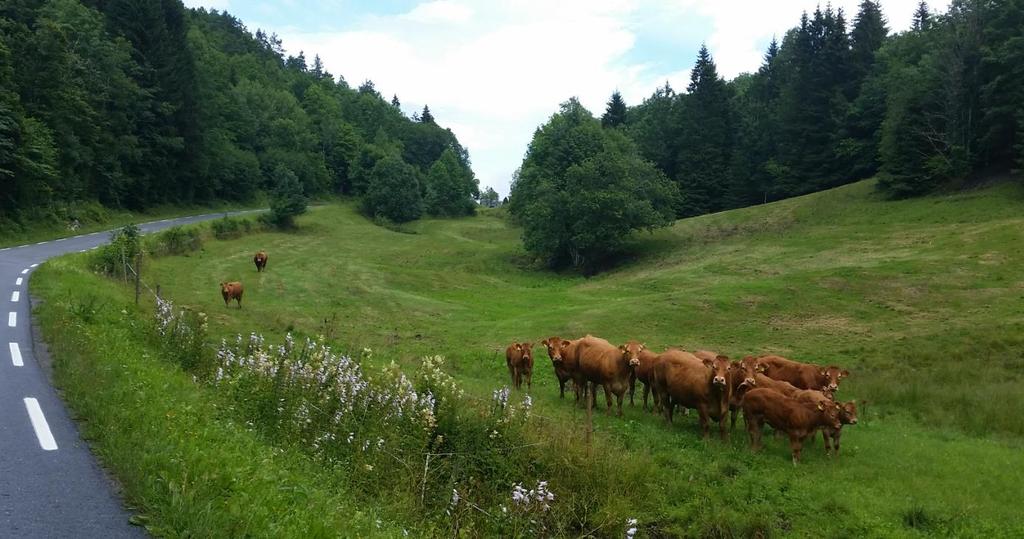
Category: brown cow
[847,416]
[797,418]
[519,358]
[602,363]
[683,379]
[644,372]
[260,260]
[802,375]
[231,291]
[742,378]
[566,363]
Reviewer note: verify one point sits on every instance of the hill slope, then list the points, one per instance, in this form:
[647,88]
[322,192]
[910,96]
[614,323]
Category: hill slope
[922,300]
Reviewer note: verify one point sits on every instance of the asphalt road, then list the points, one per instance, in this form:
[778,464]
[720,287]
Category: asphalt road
[50,484]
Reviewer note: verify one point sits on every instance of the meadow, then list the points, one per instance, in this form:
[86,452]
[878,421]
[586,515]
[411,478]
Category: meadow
[922,300]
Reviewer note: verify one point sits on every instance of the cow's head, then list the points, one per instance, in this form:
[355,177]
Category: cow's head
[526,348]
[631,352]
[224,288]
[556,347]
[720,367]
[760,366]
[830,377]
[747,369]
[848,412]
[831,411]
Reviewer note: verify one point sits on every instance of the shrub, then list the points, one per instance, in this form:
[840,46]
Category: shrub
[288,200]
[394,191]
[175,241]
[231,227]
[125,245]
[183,336]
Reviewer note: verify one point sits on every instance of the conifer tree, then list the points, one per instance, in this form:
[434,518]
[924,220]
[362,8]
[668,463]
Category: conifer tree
[705,143]
[615,113]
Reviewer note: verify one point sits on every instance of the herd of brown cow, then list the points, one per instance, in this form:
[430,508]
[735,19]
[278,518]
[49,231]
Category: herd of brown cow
[233,290]
[794,398]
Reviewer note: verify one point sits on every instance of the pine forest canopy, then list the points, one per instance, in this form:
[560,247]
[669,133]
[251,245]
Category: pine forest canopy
[134,103]
[833,102]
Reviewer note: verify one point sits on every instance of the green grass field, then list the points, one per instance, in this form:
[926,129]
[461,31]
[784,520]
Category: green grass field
[922,300]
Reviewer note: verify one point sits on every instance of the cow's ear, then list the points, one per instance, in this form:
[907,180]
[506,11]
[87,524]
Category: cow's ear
[519,346]
[565,343]
[641,347]
[624,349]
[823,372]
[844,373]
[761,367]
[708,363]
[821,405]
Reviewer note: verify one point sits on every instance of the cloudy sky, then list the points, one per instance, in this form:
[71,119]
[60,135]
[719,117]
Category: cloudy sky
[493,71]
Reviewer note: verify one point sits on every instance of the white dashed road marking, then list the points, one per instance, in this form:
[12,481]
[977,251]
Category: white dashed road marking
[15,296]
[33,265]
[12,319]
[16,355]
[24,271]
[39,424]
[19,281]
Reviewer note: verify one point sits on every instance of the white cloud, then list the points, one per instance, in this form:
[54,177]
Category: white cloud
[440,11]
[494,71]
[739,28]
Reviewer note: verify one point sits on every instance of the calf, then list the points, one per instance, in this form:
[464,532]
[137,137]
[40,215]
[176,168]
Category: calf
[519,358]
[644,372]
[802,375]
[565,361]
[797,418]
[260,260]
[231,291]
[742,378]
[847,416]
[683,379]
[604,364]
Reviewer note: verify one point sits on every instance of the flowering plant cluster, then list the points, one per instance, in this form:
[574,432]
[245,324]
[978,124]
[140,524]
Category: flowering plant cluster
[304,391]
[505,411]
[182,332]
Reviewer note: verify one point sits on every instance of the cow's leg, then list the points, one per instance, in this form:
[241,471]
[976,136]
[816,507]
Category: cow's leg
[796,444]
[826,437]
[733,412]
[529,379]
[666,404]
[647,389]
[512,375]
[620,397]
[835,442]
[607,399]
[753,430]
[721,424]
[702,411]
[561,388]
[239,300]
[632,389]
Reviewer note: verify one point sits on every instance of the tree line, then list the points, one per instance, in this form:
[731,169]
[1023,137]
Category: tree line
[134,103]
[831,103]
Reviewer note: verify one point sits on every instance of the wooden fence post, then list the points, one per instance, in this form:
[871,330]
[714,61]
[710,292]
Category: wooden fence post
[138,276]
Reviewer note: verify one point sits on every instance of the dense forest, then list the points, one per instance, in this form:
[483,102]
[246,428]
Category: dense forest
[134,103]
[928,108]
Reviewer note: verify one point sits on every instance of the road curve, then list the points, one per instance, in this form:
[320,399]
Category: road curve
[50,484]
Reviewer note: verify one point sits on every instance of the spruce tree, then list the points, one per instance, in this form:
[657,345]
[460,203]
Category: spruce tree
[615,113]
[395,102]
[426,117]
[922,17]
[869,31]
[705,144]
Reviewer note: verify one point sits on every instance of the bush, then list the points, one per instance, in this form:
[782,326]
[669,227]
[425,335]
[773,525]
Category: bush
[582,190]
[231,227]
[288,200]
[394,191]
[175,241]
[124,247]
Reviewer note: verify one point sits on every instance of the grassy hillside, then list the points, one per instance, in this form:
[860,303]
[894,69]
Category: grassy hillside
[922,300]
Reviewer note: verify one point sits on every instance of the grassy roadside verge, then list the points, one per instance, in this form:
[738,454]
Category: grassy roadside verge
[103,219]
[185,469]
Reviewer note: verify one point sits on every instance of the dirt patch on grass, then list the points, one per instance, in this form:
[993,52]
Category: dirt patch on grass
[827,324]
